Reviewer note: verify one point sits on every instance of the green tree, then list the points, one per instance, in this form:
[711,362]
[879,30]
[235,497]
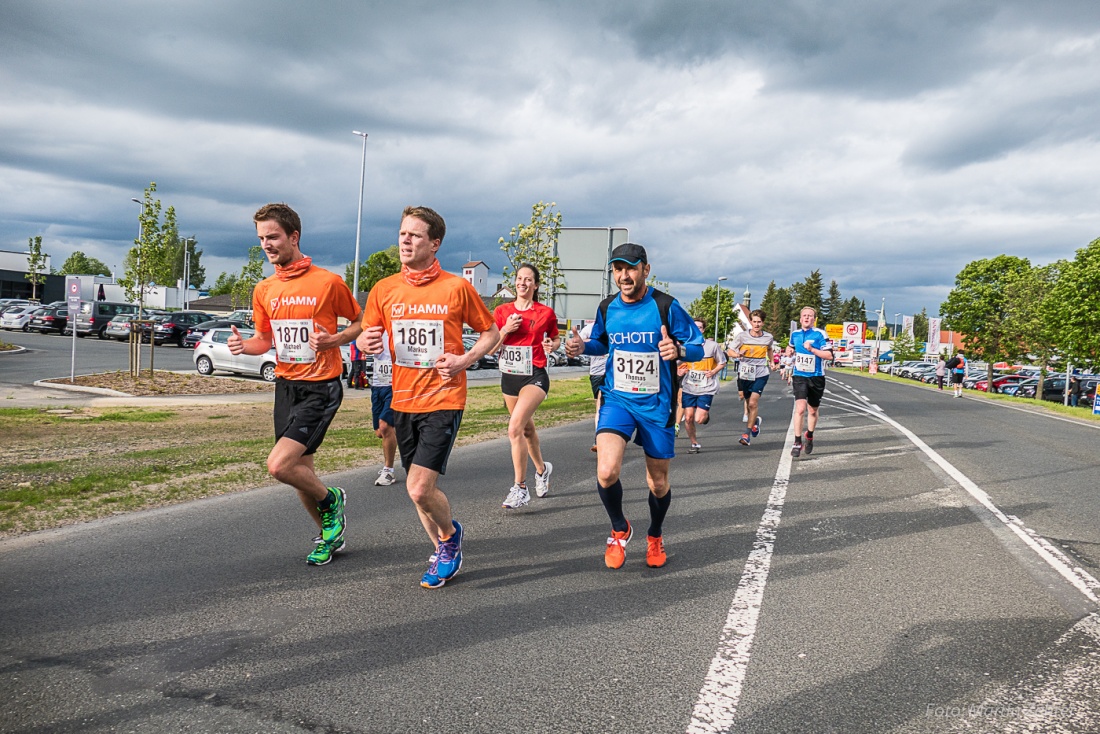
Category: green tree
[1075,307]
[1028,322]
[80,264]
[379,265]
[906,347]
[920,326]
[196,275]
[149,262]
[223,285]
[776,305]
[808,293]
[36,265]
[832,310]
[853,310]
[251,274]
[978,305]
[536,243]
[703,308]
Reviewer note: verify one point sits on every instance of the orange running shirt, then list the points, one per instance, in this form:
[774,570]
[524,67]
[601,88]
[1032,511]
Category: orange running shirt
[289,309]
[424,322]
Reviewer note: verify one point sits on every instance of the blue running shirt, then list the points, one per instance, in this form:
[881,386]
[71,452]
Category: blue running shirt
[636,377]
[815,338]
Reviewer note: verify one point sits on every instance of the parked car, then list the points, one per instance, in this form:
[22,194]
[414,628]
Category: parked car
[212,353]
[999,383]
[194,333]
[6,303]
[174,326]
[488,362]
[119,327]
[94,316]
[1053,389]
[17,317]
[46,320]
[907,368]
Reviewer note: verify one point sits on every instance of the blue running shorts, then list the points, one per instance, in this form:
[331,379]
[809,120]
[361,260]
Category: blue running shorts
[380,400]
[702,402]
[657,441]
[752,386]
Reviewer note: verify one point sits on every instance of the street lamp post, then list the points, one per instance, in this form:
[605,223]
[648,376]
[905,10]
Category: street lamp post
[717,301]
[359,219]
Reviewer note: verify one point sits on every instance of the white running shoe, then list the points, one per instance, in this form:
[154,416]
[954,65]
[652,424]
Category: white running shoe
[518,496]
[745,418]
[385,478]
[542,481]
[694,448]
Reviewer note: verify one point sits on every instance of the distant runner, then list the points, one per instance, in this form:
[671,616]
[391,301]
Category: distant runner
[381,411]
[807,349]
[755,349]
[699,385]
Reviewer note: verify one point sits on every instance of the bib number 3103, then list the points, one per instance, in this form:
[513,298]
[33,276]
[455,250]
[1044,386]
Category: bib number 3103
[516,360]
[637,372]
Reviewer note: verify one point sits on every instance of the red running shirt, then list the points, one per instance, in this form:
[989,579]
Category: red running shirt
[539,322]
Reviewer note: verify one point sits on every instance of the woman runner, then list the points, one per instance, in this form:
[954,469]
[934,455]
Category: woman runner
[528,332]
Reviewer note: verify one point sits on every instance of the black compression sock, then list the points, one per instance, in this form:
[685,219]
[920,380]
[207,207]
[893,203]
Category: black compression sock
[612,498]
[658,508]
[809,434]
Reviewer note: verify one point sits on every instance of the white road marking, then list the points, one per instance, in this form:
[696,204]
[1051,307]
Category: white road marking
[720,695]
[717,702]
[1062,564]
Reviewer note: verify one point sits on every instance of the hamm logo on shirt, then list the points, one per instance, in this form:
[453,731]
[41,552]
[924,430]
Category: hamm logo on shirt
[398,310]
[293,301]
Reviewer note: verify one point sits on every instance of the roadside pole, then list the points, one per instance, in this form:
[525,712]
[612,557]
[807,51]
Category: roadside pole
[72,291]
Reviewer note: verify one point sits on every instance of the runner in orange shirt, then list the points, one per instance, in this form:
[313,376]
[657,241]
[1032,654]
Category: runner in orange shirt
[296,310]
[422,310]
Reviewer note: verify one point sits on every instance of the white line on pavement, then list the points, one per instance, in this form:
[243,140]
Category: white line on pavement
[717,702]
[1076,576]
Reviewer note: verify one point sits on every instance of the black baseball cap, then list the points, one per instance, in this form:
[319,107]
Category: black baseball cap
[629,253]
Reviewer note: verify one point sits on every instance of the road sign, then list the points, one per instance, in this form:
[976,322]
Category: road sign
[72,291]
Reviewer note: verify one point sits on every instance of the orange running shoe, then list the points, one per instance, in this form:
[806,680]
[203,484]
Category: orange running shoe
[615,555]
[655,556]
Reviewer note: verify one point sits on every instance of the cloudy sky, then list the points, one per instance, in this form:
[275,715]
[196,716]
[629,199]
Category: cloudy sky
[885,143]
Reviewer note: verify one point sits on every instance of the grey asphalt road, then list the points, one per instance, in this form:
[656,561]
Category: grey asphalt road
[862,588]
[50,356]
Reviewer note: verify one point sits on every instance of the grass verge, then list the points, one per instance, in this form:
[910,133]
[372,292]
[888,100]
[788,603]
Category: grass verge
[65,466]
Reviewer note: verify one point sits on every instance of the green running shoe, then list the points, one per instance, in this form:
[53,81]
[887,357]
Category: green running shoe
[323,552]
[332,519]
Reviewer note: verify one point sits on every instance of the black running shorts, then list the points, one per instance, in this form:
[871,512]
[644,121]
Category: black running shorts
[512,384]
[597,384]
[426,439]
[809,389]
[304,409]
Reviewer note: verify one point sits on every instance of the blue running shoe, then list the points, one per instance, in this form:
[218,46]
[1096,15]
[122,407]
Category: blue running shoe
[430,579]
[450,555]
[756,427]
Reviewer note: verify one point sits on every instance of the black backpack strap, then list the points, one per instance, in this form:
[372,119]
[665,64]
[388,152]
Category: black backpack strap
[664,305]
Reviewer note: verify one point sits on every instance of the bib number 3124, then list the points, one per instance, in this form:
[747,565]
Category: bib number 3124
[637,372]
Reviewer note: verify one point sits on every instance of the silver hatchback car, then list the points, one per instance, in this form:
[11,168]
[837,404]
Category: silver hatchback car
[212,353]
